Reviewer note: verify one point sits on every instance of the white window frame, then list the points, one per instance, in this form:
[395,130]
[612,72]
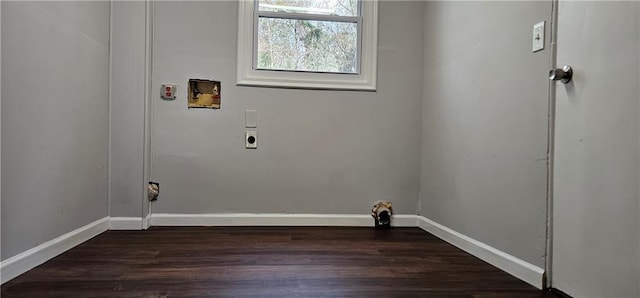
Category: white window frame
[364,79]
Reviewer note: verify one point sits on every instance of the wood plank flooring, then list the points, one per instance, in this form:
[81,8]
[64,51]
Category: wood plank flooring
[267,261]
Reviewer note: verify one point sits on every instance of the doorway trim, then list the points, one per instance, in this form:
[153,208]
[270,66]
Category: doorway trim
[148,93]
[548,256]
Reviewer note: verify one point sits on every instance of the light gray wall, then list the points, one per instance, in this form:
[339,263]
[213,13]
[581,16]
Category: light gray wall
[596,173]
[485,111]
[127,108]
[54,119]
[319,151]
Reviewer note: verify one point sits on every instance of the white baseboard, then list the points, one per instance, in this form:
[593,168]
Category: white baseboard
[31,258]
[23,262]
[275,219]
[126,223]
[403,220]
[146,222]
[517,267]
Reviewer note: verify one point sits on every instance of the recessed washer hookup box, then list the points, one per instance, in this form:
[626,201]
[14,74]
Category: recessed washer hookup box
[203,94]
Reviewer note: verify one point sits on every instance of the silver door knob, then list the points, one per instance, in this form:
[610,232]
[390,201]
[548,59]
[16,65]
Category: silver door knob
[563,74]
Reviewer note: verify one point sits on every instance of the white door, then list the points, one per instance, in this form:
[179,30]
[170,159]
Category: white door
[597,160]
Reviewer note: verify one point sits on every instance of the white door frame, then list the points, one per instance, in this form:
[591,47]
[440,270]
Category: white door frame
[148,94]
[548,276]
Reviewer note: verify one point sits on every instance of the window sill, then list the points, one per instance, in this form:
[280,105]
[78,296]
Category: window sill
[301,80]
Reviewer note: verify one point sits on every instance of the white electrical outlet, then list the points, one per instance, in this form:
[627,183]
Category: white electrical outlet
[251,140]
[538,36]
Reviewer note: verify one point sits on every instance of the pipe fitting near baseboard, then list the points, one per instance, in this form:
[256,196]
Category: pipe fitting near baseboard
[381,213]
[153,190]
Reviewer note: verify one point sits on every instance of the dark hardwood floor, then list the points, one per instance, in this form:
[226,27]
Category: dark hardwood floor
[267,261]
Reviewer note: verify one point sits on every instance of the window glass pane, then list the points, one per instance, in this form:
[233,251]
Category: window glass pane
[302,45]
[321,7]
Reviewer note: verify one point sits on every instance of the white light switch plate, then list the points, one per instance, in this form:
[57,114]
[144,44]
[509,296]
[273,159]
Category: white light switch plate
[538,36]
[250,119]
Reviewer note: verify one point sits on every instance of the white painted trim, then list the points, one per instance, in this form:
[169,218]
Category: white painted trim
[146,221]
[551,130]
[23,262]
[275,219]
[31,258]
[126,223]
[403,220]
[519,268]
[110,109]
[365,80]
[148,116]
